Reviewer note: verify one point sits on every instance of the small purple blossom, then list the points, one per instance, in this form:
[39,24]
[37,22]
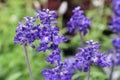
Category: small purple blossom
[114,56]
[42,47]
[78,21]
[47,17]
[116,43]
[54,58]
[101,60]
[115,24]
[60,72]
[116,7]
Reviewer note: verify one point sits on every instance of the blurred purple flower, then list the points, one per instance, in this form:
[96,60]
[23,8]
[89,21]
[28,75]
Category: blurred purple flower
[116,43]
[47,17]
[115,24]
[116,7]
[114,56]
[78,21]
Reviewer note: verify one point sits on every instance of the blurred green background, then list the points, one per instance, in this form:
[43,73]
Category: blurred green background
[12,61]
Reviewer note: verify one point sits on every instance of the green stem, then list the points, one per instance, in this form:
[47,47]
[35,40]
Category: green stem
[28,63]
[82,41]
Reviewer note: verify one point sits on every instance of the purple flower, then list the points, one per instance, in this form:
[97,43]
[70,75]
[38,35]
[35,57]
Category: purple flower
[78,64]
[50,36]
[115,24]
[49,33]
[90,55]
[50,40]
[116,43]
[54,58]
[47,17]
[27,32]
[116,7]
[42,47]
[78,21]
[60,72]
[114,56]
[101,60]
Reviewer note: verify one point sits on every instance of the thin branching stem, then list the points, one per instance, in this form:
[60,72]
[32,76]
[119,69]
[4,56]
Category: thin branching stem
[28,62]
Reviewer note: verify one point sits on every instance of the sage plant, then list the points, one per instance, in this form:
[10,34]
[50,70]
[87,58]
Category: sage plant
[47,33]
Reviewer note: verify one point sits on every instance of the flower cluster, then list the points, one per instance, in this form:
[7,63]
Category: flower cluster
[54,58]
[78,21]
[89,55]
[27,32]
[47,17]
[49,32]
[61,72]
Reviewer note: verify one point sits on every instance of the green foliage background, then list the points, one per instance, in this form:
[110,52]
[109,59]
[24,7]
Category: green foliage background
[12,61]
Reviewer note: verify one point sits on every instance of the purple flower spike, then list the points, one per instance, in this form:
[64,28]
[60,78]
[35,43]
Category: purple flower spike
[26,33]
[50,40]
[79,21]
[90,55]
